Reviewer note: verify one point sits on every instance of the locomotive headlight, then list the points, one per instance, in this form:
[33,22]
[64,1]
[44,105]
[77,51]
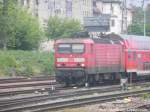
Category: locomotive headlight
[79,59]
[82,65]
[62,59]
[58,65]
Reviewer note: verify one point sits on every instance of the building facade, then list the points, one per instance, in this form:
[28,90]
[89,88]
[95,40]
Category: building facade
[43,9]
[78,9]
[120,19]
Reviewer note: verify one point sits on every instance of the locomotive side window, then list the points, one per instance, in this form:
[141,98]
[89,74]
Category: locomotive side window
[64,48]
[77,48]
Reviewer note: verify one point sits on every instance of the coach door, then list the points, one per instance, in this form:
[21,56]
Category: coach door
[131,61]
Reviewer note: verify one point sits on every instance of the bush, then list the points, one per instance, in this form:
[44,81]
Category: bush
[62,27]
[19,30]
[26,63]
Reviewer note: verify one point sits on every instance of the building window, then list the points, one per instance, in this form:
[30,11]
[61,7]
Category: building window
[112,23]
[84,2]
[94,3]
[22,2]
[28,3]
[46,1]
[36,14]
[37,2]
[112,10]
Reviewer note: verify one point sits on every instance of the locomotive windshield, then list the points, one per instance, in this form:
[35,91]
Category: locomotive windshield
[71,48]
[64,48]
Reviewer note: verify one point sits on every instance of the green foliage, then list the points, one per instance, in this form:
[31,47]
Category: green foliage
[148,29]
[18,28]
[27,31]
[135,29]
[62,27]
[6,23]
[137,26]
[26,63]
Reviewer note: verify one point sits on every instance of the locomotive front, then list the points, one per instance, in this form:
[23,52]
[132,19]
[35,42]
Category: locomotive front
[70,61]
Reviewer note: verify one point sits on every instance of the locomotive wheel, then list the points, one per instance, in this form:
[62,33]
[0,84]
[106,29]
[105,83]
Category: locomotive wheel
[81,82]
[71,81]
[67,83]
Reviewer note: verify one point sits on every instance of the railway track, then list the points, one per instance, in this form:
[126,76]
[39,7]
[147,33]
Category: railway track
[67,93]
[24,79]
[16,86]
[88,100]
[46,102]
[56,95]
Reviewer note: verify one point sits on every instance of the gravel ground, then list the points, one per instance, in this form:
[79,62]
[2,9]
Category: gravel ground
[125,105]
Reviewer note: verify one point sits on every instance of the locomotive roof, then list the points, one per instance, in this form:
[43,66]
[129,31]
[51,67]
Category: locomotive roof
[74,40]
[130,41]
[108,39]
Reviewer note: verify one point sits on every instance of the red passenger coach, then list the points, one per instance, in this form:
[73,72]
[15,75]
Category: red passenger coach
[137,54]
[95,60]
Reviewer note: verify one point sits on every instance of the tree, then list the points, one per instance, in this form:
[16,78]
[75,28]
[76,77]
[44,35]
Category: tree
[62,27]
[18,28]
[137,26]
[6,24]
[135,29]
[27,31]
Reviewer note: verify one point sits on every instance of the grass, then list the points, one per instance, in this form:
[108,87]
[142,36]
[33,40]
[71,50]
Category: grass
[26,63]
[146,96]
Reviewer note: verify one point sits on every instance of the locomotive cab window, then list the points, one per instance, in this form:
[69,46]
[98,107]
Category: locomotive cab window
[64,48]
[77,48]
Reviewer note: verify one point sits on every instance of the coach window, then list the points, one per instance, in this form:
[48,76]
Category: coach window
[139,56]
[129,55]
[134,55]
[91,48]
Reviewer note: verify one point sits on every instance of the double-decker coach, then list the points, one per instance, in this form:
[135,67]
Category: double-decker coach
[103,59]
[137,54]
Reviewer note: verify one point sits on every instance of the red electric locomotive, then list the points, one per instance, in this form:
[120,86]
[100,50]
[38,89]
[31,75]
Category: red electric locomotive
[80,60]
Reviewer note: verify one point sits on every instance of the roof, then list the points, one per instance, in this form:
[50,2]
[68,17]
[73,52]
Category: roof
[110,1]
[130,41]
[97,24]
[74,40]
[108,39]
[101,20]
[136,42]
